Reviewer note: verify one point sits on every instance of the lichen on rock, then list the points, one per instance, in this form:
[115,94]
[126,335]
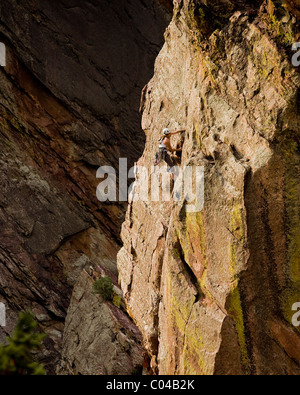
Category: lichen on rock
[229,275]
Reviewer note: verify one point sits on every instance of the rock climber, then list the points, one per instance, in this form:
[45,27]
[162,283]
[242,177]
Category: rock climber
[165,146]
[164,149]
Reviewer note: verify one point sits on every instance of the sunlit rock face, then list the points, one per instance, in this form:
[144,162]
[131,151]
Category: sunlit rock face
[212,291]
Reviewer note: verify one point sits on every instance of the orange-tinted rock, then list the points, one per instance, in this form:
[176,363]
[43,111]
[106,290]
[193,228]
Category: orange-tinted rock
[212,292]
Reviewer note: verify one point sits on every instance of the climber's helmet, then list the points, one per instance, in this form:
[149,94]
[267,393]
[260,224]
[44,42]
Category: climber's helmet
[166,132]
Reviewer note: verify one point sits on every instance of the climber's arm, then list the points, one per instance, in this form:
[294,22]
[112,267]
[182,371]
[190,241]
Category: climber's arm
[178,131]
[174,149]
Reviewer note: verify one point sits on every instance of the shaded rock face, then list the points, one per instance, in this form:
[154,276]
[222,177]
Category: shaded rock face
[212,291]
[68,104]
[80,51]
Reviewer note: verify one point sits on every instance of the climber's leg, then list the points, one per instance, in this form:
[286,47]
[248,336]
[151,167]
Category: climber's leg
[167,158]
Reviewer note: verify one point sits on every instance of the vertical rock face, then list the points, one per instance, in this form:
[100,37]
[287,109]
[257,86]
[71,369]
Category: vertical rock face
[68,104]
[212,291]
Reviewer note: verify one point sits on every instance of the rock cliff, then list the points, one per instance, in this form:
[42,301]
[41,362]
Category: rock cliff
[99,339]
[212,291]
[69,101]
